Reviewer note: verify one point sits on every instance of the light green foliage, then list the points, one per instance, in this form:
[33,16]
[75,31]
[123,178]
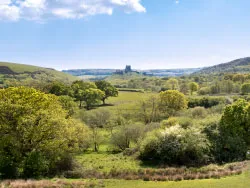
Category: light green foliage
[107,88]
[149,109]
[122,138]
[172,101]
[193,87]
[87,92]
[173,83]
[198,112]
[96,120]
[68,104]
[171,121]
[34,132]
[245,88]
[204,91]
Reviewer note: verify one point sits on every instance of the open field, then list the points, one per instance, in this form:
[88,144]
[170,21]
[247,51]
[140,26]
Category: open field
[125,100]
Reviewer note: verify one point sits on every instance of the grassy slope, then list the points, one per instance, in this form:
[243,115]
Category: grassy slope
[236,66]
[21,68]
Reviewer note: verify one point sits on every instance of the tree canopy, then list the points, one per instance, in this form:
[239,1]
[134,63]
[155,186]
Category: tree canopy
[34,133]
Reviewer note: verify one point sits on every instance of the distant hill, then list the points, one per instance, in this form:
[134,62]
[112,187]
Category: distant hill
[20,74]
[236,66]
[154,72]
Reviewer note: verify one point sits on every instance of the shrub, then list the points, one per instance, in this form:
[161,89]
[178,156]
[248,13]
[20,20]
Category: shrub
[125,135]
[205,102]
[169,122]
[204,91]
[245,88]
[199,112]
[185,122]
[176,145]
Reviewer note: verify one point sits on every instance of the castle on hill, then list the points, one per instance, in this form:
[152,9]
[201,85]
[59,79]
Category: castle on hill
[127,70]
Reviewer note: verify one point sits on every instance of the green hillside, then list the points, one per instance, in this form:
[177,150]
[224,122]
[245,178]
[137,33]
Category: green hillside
[13,74]
[236,66]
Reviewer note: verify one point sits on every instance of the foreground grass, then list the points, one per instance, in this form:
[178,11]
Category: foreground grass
[238,181]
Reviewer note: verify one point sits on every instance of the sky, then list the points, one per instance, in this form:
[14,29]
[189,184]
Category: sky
[146,34]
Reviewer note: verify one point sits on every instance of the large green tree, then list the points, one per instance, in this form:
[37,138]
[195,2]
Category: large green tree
[234,131]
[87,92]
[35,134]
[172,101]
[245,88]
[107,88]
[193,86]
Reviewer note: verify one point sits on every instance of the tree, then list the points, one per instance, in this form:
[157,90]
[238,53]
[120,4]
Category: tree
[87,92]
[234,131]
[95,121]
[35,134]
[215,88]
[193,86]
[172,101]
[59,88]
[239,78]
[68,104]
[227,86]
[149,111]
[127,134]
[173,83]
[245,88]
[107,88]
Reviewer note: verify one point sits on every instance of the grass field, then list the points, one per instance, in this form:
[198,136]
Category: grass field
[126,100]
[238,181]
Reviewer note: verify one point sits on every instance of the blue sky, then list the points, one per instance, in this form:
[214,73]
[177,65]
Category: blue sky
[147,34]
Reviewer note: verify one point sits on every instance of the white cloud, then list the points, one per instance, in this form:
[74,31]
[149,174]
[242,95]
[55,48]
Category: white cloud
[68,9]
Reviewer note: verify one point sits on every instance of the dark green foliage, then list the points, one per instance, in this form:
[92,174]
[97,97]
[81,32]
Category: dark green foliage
[59,88]
[87,92]
[107,88]
[205,102]
[238,65]
[234,131]
[245,88]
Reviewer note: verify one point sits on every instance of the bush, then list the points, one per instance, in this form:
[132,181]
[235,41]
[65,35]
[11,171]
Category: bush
[169,122]
[185,122]
[204,91]
[199,112]
[205,102]
[245,88]
[125,135]
[177,146]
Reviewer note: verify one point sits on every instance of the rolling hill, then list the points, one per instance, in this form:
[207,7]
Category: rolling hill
[241,65]
[20,74]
